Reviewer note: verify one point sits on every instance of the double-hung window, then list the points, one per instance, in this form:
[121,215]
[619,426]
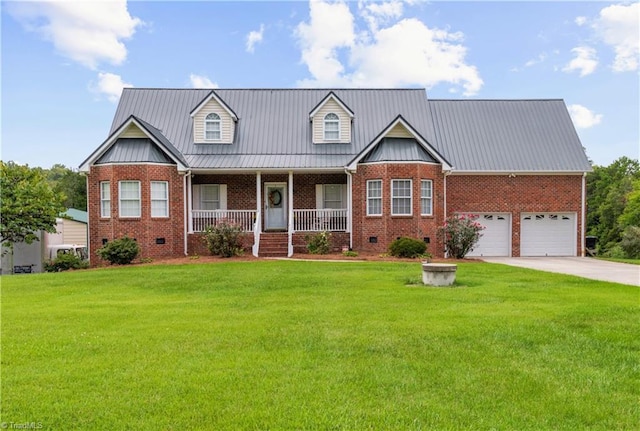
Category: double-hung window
[105,199]
[401,197]
[426,197]
[159,199]
[129,199]
[210,197]
[331,127]
[212,127]
[332,196]
[374,197]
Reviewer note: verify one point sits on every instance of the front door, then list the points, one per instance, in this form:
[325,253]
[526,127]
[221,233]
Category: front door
[275,204]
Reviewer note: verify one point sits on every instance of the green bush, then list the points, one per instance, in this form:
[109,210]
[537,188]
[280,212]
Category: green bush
[65,262]
[630,243]
[319,243]
[120,251]
[224,239]
[407,247]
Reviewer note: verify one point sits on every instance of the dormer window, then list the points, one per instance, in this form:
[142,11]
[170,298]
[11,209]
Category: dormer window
[212,127]
[331,127]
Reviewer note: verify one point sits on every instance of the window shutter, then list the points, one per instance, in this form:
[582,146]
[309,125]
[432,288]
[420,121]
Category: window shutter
[196,196]
[223,196]
[319,197]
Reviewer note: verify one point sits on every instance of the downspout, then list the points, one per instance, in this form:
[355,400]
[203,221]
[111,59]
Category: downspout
[187,212]
[257,225]
[583,216]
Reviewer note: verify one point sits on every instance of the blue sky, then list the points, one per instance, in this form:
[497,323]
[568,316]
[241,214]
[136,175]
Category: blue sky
[64,63]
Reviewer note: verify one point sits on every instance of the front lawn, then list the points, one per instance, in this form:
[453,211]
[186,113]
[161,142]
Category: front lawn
[318,345]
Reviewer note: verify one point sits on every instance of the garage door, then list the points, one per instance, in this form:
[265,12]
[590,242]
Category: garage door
[548,234]
[496,236]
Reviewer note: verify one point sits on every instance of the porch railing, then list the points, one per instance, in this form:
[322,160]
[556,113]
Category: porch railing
[315,220]
[204,218]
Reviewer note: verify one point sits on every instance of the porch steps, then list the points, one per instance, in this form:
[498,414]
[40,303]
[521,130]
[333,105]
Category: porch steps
[273,244]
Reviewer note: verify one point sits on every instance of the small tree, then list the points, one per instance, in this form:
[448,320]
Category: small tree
[28,204]
[224,239]
[120,251]
[460,234]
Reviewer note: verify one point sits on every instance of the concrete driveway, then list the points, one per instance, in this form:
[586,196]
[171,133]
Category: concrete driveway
[581,266]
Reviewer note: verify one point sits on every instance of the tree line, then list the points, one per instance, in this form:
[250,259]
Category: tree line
[31,198]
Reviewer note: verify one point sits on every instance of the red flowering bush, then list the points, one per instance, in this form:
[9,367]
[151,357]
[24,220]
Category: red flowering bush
[460,234]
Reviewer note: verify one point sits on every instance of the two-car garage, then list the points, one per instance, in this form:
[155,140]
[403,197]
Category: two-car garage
[541,234]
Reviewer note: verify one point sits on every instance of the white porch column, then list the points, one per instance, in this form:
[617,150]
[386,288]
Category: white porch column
[190,202]
[290,207]
[350,208]
[257,227]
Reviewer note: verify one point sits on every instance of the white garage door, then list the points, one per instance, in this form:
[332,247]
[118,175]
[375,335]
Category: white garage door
[496,236]
[548,234]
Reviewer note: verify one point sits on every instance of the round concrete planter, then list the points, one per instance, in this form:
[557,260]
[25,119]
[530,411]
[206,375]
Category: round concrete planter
[439,274]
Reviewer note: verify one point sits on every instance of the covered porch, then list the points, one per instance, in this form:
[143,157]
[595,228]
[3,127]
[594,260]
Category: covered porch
[274,203]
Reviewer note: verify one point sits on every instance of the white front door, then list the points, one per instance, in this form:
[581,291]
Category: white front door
[275,205]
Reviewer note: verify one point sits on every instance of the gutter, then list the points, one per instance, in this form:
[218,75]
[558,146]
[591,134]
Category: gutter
[583,217]
[187,174]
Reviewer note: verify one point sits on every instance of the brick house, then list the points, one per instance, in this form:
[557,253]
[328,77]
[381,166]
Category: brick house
[368,165]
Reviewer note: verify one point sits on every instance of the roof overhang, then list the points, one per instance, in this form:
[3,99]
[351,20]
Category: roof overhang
[85,166]
[516,173]
[446,166]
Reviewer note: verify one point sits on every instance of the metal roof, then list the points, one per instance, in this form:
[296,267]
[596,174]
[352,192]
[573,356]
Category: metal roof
[140,150]
[508,135]
[398,150]
[273,130]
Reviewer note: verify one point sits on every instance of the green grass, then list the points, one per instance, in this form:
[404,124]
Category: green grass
[318,345]
[621,260]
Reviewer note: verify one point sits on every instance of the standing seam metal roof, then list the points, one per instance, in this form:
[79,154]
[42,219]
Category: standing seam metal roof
[273,128]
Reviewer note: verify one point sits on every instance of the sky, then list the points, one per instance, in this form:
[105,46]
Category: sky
[64,63]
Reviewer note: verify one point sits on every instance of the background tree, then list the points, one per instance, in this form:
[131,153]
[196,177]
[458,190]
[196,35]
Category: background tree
[28,203]
[70,183]
[610,190]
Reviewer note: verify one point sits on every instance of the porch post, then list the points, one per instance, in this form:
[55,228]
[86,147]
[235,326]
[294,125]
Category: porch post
[257,227]
[350,208]
[290,206]
[190,202]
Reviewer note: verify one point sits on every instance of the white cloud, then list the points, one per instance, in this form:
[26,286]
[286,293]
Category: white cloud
[585,61]
[110,85]
[86,32]
[254,37]
[390,53]
[330,28]
[582,117]
[580,20]
[198,81]
[618,26]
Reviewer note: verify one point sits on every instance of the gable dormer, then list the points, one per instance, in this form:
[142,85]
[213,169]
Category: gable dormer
[331,121]
[213,121]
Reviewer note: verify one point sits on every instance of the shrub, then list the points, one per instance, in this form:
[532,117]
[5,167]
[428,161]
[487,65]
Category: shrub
[460,234]
[630,243]
[407,247]
[224,239]
[65,262]
[319,243]
[120,251]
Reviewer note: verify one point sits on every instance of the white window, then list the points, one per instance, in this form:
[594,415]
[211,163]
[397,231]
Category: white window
[426,197]
[105,199]
[159,199]
[212,127]
[401,197]
[332,196]
[210,197]
[331,127]
[129,198]
[374,197]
